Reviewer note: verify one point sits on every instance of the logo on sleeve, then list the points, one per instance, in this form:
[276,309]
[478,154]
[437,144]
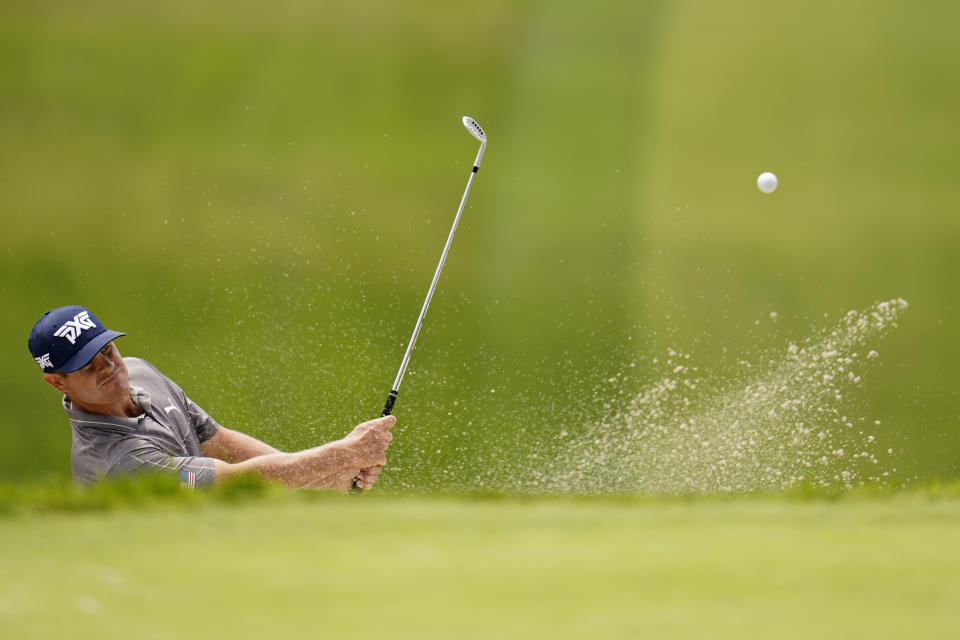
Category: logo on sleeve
[188,479]
[44,361]
[72,329]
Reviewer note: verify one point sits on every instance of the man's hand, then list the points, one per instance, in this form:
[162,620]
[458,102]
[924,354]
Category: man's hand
[371,440]
[367,477]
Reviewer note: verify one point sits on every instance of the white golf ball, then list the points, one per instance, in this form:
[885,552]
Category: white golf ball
[767,182]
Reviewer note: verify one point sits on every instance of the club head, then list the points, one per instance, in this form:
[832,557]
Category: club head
[475,130]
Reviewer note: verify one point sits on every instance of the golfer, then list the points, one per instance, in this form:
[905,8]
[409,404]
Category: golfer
[127,417]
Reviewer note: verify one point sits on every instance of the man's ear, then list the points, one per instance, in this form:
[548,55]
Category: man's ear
[56,381]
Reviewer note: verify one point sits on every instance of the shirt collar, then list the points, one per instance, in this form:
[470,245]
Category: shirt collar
[80,418]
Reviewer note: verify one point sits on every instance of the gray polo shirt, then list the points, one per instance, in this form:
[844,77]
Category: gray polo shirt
[166,437]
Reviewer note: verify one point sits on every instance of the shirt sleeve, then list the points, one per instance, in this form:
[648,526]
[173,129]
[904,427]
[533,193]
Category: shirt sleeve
[140,456]
[203,425]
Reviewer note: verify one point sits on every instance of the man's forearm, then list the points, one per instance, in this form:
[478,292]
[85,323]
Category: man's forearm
[335,465]
[233,446]
[325,467]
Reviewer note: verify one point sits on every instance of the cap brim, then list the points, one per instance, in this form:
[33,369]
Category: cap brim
[85,355]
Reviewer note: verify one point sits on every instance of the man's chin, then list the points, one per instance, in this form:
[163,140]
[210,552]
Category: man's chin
[117,386]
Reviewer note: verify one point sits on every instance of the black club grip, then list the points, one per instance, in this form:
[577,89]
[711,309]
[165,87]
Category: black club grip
[391,400]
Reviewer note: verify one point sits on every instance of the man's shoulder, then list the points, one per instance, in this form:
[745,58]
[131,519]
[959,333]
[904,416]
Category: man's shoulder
[139,366]
[144,374]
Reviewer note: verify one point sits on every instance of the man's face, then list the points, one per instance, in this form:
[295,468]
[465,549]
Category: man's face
[100,383]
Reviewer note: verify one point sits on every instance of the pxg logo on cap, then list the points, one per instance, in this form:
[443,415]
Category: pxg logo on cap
[66,339]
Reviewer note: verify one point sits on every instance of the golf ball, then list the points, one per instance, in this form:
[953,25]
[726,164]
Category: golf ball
[767,182]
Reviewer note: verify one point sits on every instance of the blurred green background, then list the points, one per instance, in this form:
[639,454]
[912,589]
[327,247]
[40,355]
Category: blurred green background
[258,194]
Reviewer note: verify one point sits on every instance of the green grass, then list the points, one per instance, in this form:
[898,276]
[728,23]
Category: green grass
[857,565]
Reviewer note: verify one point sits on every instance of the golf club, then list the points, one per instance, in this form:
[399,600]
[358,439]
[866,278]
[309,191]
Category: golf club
[477,132]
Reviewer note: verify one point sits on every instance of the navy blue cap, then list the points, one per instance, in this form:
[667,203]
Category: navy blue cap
[66,339]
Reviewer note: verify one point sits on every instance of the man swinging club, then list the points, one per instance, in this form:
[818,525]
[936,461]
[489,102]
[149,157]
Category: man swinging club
[127,417]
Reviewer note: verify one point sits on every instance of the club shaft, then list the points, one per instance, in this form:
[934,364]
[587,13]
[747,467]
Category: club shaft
[426,303]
